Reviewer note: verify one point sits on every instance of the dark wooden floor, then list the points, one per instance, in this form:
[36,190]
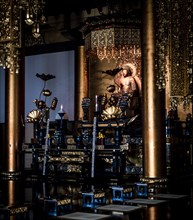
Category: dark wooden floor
[43,199]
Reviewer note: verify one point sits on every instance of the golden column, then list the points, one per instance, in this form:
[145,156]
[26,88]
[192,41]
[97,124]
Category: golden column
[10,43]
[153,102]
[12,123]
[12,60]
[81,81]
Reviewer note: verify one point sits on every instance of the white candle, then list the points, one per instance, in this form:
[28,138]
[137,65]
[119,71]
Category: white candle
[96,103]
[61,108]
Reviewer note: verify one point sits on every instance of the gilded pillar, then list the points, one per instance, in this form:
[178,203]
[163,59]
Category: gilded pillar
[10,43]
[12,124]
[81,81]
[153,102]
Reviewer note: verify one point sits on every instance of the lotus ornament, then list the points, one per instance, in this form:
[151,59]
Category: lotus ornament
[112,112]
[34,116]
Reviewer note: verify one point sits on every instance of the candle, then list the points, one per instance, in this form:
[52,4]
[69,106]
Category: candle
[61,108]
[96,103]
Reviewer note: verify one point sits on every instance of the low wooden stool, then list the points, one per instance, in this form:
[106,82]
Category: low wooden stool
[56,207]
[93,199]
[121,193]
[20,211]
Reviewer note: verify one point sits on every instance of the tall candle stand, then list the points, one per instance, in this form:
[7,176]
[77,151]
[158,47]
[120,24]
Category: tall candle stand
[94,135]
[86,102]
[60,136]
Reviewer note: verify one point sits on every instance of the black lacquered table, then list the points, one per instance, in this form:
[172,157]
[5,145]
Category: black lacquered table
[84,216]
[124,211]
[169,196]
[144,202]
[178,204]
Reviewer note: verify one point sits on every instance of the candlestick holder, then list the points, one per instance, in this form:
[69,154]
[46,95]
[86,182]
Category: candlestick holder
[60,133]
[61,114]
[85,107]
